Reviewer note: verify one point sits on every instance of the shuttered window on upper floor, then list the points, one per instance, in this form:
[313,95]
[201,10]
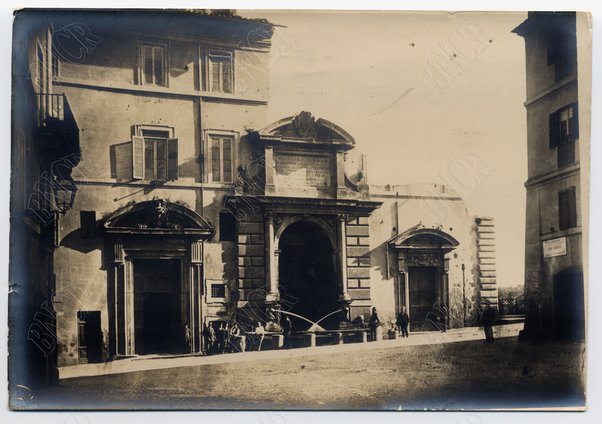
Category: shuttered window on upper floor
[563,132]
[151,155]
[153,64]
[220,71]
[567,208]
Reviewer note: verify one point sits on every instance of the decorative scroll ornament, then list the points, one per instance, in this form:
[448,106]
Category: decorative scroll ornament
[305,125]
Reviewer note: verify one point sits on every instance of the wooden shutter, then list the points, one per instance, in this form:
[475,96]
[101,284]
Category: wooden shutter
[121,161]
[554,129]
[138,157]
[567,209]
[572,208]
[574,122]
[172,159]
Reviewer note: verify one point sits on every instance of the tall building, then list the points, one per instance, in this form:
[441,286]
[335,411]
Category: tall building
[175,205]
[554,286]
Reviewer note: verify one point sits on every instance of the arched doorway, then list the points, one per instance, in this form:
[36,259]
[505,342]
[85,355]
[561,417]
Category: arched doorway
[154,290]
[307,274]
[423,286]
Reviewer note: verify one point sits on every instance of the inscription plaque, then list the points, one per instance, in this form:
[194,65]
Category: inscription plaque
[299,170]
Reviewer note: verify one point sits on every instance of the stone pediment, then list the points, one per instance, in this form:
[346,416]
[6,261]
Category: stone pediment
[157,216]
[305,127]
[424,239]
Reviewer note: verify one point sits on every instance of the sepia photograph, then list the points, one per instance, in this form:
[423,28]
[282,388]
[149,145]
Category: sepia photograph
[333,210]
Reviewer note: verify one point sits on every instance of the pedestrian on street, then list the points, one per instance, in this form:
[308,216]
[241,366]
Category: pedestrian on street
[287,327]
[374,323]
[209,338]
[187,337]
[403,320]
[260,330]
[219,338]
[234,335]
[488,319]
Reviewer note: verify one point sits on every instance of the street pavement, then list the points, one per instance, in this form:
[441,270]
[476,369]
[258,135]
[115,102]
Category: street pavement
[461,374]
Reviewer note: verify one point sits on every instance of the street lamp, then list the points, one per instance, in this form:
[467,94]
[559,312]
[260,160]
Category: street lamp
[64,194]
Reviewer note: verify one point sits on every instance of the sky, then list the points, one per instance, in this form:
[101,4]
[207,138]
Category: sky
[420,113]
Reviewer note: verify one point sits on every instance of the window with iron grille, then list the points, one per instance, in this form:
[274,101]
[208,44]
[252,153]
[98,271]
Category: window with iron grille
[218,291]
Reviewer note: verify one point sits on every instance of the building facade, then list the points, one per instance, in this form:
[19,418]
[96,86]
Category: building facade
[185,207]
[554,287]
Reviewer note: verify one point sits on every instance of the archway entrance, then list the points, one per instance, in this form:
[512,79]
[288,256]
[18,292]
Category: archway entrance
[307,274]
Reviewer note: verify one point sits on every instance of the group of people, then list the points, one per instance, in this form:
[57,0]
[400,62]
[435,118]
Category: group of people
[402,323]
[225,336]
[222,337]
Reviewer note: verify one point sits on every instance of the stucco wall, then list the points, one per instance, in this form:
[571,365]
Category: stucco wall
[410,208]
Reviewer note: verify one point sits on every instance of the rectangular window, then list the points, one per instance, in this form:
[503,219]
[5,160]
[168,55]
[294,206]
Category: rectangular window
[227,227]
[563,132]
[87,223]
[220,71]
[567,209]
[218,291]
[153,64]
[155,155]
[221,148]
[562,49]
[41,78]
[55,65]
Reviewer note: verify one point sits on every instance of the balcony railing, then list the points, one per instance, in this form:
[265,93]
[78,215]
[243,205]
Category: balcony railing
[512,305]
[52,107]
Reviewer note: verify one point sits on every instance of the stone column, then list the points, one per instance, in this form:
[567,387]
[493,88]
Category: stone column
[269,170]
[195,322]
[118,274]
[271,271]
[406,288]
[445,291]
[344,297]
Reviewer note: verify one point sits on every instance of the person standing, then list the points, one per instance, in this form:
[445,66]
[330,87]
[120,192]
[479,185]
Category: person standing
[287,327]
[187,338]
[260,331]
[209,337]
[403,320]
[373,324]
[488,319]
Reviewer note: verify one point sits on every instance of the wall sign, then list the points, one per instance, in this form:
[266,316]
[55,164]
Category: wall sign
[554,247]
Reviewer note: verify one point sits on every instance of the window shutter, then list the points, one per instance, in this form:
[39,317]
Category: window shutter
[122,160]
[574,122]
[572,207]
[553,129]
[138,157]
[567,209]
[172,159]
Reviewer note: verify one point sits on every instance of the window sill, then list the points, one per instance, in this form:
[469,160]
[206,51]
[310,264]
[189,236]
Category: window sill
[560,233]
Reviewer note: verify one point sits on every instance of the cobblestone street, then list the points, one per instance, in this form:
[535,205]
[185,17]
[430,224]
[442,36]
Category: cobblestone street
[471,374]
